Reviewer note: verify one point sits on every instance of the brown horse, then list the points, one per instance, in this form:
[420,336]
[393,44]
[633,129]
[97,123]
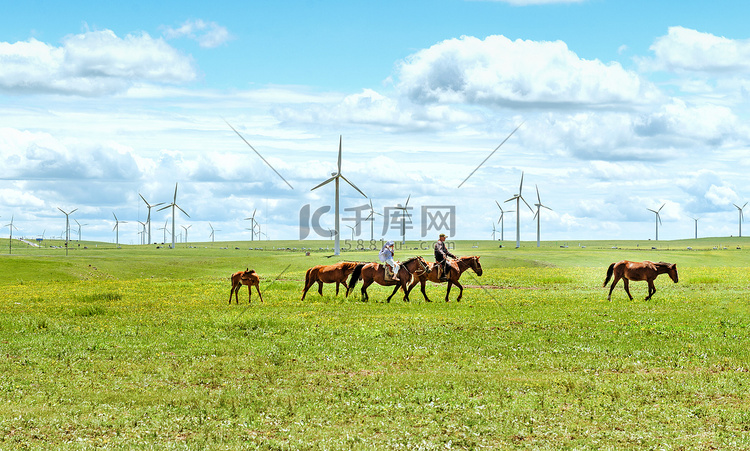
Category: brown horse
[375,272]
[328,274]
[247,277]
[455,269]
[627,270]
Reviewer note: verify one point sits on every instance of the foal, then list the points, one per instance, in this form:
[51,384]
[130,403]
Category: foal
[247,277]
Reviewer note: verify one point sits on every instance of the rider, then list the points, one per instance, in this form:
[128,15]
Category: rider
[441,256]
[386,255]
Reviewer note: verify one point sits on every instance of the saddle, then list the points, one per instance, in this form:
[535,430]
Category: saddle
[388,272]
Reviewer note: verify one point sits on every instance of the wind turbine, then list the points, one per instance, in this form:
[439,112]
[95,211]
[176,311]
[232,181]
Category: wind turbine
[658,219]
[252,225]
[164,239]
[116,229]
[501,221]
[742,218]
[335,176]
[142,233]
[10,239]
[174,205]
[696,227]
[212,235]
[186,229]
[404,215]
[148,218]
[371,218]
[67,226]
[518,198]
[79,228]
[352,227]
[539,206]
[493,231]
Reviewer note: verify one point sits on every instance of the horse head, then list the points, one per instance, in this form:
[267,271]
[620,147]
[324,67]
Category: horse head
[673,272]
[475,265]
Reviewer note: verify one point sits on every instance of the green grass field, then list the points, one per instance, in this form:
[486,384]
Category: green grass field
[137,347]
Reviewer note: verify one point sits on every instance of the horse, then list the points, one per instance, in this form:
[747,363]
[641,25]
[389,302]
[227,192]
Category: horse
[375,272]
[627,270]
[328,274]
[247,277]
[455,269]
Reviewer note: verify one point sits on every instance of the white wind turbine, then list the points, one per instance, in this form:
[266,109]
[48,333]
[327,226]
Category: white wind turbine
[371,218]
[213,232]
[174,205]
[352,227]
[10,238]
[494,230]
[164,238]
[148,218]
[142,233]
[116,229]
[518,198]
[253,223]
[404,214]
[67,226]
[186,229]
[501,221]
[539,206]
[696,227]
[741,216]
[658,219]
[335,176]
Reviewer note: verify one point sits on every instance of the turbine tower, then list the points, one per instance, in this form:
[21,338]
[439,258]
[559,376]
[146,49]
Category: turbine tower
[741,216]
[335,176]
[493,231]
[696,227]
[67,226]
[164,238]
[10,239]
[658,219]
[79,228]
[116,229]
[174,205]
[148,218]
[213,232]
[404,215]
[186,229]
[539,206]
[518,198]
[501,221]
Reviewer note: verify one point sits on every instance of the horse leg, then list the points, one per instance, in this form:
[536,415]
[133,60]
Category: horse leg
[337,287]
[395,289]
[423,282]
[448,291]
[257,287]
[460,293]
[365,284]
[307,287]
[249,294]
[626,283]
[614,282]
[230,295]
[320,288]
[651,289]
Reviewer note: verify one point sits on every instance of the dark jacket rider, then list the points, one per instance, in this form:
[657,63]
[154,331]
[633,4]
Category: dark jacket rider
[441,256]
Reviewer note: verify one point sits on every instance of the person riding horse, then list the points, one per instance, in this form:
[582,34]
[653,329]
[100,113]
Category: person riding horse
[386,255]
[441,256]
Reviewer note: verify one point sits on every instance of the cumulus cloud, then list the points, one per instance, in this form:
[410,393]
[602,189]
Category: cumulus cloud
[708,192]
[498,71]
[684,49]
[91,63]
[207,34]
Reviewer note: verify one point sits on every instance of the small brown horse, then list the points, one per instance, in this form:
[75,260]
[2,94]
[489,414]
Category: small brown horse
[321,274]
[375,272]
[455,269]
[627,270]
[247,277]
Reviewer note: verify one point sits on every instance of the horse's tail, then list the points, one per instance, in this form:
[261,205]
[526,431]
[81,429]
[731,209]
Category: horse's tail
[308,276]
[355,276]
[610,270]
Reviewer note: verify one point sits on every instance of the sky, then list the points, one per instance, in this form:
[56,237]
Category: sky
[618,107]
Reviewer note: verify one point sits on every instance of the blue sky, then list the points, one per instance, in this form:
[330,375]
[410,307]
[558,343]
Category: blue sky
[626,106]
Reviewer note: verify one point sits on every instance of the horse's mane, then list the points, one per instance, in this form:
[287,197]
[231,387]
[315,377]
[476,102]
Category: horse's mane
[410,260]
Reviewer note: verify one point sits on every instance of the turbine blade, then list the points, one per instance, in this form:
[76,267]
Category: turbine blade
[520,187]
[327,181]
[258,153]
[165,207]
[175,193]
[527,204]
[178,207]
[662,206]
[407,201]
[491,153]
[352,185]
[537,194]
[339,164]
[144,199]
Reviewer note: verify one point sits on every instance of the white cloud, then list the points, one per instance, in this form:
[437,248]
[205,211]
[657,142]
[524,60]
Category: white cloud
[683,49]
[498,71]
[91,63]
[207,34]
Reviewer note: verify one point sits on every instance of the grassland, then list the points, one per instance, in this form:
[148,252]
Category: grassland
[137,348]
